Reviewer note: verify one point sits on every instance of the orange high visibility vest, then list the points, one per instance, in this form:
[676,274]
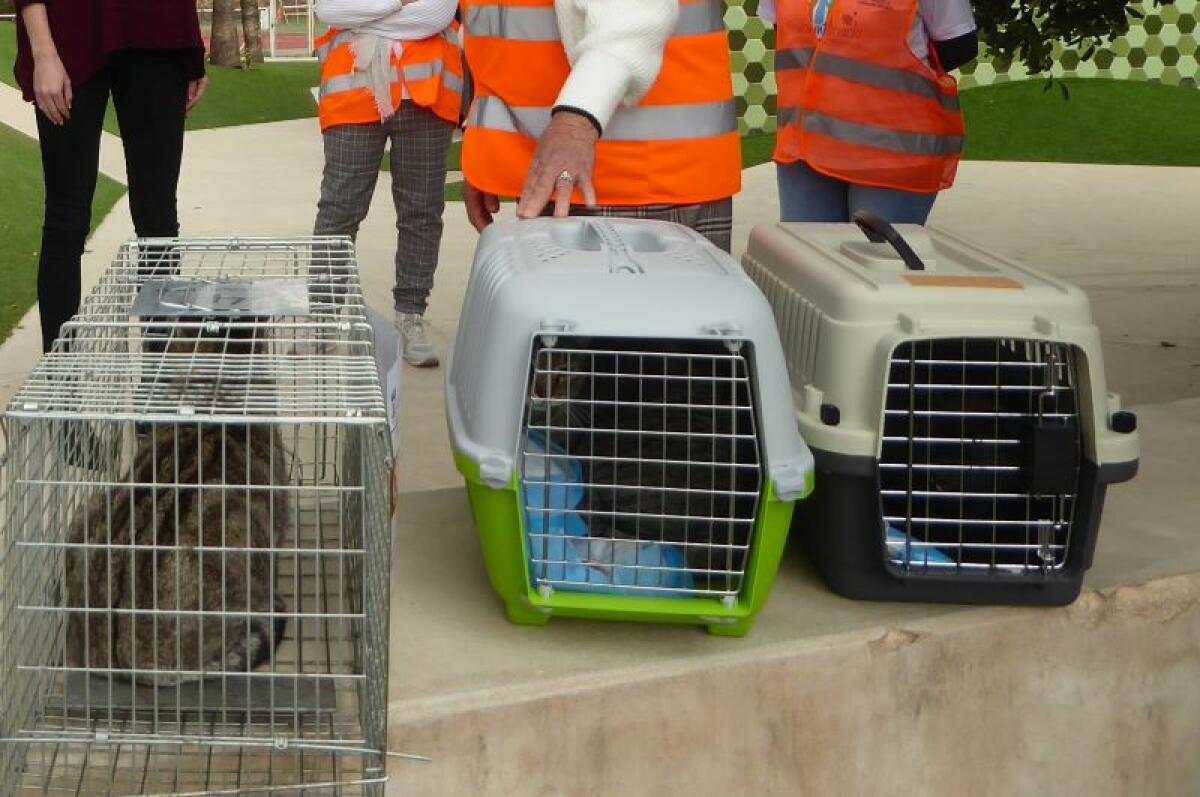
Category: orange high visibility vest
[856,104]
[430,69]
[678,146]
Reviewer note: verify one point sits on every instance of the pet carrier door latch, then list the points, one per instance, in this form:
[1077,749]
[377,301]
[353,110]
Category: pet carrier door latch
[551,328]
[732,333]
[1052,461]
[496,471]
[791,481]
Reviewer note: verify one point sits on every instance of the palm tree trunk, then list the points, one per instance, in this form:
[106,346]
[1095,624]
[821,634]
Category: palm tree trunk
[224,50]
[251,31]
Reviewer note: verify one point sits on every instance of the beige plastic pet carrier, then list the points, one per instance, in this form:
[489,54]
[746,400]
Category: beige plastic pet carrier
[956,406]
[194,558]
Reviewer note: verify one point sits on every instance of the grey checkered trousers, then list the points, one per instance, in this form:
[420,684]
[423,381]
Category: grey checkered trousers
[353,154]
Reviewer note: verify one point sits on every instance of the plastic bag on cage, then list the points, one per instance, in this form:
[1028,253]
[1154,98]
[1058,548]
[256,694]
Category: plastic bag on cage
[562,551]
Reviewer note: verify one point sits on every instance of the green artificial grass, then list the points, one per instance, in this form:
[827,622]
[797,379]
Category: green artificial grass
[21,222]
[263,93]
[757,148]
[1101,121]
[8,51]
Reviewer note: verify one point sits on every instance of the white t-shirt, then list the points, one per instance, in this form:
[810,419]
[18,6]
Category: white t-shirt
[938,20]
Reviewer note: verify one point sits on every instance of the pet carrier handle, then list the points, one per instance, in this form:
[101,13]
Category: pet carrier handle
[879,231]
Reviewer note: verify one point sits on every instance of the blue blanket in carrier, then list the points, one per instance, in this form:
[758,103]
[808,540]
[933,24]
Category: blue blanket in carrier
[915,556]
[561,550]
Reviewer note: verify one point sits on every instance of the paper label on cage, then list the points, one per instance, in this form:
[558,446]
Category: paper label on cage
[194,297]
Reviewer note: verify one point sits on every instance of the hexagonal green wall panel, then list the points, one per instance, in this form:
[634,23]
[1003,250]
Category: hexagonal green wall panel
[1163,46]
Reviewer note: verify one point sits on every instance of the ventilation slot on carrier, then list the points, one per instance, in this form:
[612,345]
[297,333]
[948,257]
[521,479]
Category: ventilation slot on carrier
[981,456]
[641,467]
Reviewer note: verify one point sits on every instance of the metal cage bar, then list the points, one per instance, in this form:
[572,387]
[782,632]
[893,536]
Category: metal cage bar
[963,421]
[195,556]
[641,466]
[302,293]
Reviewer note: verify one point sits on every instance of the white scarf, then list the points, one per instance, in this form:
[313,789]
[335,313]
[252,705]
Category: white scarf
[373,57]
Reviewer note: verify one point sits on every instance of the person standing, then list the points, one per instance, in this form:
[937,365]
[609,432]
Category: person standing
[602,107]
[868,113]
[72,55]
[391,71]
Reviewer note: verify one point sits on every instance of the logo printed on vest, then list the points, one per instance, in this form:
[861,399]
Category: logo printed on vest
[844,28]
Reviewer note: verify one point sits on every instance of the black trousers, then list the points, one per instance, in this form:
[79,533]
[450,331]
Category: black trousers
[149,91]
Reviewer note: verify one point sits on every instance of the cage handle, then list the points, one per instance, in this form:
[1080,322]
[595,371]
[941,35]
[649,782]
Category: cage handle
[879,231]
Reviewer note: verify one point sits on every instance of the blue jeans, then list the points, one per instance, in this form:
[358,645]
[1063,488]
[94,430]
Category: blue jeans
[806,195]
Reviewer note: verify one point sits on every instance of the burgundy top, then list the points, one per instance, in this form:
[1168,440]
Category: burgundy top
[86,32]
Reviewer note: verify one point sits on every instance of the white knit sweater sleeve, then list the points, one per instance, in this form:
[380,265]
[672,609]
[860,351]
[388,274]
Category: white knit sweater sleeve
[615,48]
[402,20]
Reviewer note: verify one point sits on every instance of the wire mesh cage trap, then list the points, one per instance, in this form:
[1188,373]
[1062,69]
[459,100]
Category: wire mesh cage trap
[957,409]
[195,556]
[305,291]
[619,408]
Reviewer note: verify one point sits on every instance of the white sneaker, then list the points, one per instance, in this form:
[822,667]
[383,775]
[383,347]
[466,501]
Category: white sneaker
[415,346]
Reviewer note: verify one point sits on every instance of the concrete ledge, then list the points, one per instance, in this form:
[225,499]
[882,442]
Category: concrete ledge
[826,696]
[981,702]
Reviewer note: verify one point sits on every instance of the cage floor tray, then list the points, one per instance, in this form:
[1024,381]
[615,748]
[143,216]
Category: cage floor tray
[231,693]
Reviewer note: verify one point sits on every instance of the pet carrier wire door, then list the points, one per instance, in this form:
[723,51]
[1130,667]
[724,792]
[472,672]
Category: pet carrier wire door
[957,408]
[619,407]
[194,562]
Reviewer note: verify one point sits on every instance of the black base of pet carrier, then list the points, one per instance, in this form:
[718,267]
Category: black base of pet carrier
[842,528]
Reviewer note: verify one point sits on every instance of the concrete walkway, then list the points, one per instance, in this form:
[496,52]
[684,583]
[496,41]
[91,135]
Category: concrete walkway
[511,710]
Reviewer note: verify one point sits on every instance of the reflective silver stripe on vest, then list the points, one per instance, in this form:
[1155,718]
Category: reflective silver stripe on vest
[431,70]
[423,71]
[883,78]
[882,138]
[795,58]
[359,80]
[699,19]
[351,82]
[348,36]
[513,22]
[644,123]
[540,24]
[324,50]
[787,116]
[452,82]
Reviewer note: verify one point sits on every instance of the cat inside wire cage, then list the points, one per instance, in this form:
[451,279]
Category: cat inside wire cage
[191,563]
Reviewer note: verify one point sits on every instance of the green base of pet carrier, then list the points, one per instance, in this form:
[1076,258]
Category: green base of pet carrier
[502,535]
